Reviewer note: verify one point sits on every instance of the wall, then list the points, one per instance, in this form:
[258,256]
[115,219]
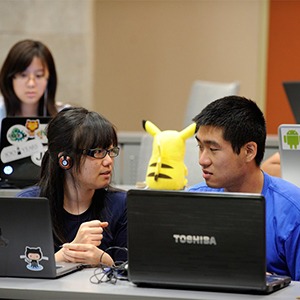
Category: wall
[283,60]
[66,27]
[148,53]
[136,59]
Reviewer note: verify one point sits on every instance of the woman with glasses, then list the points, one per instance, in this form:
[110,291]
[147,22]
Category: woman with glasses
[28,81]
[88,215]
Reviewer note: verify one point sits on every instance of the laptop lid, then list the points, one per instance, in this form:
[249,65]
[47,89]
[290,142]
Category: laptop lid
[292,90]
[289,149]
[26,241]
[23,144]
[197,240]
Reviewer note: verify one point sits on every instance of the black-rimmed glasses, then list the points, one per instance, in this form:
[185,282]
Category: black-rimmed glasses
[101,153]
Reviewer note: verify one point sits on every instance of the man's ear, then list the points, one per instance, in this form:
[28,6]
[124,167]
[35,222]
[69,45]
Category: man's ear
[250,149]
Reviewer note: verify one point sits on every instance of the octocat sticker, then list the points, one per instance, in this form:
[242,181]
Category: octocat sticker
[33,256]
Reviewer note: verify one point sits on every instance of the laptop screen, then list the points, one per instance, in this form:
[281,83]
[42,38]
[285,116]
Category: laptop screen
[292,90]
[201,240]
[23,144]
[26,247]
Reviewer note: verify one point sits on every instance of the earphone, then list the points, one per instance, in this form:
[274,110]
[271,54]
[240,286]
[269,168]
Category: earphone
[65,162]
[119,271]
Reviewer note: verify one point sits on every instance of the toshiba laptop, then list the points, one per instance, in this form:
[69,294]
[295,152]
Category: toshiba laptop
[208,241]
[289,149]
[292,90]
[26,241]
[22,146]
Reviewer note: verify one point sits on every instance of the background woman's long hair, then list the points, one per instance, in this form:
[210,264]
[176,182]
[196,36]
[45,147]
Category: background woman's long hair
[18,59]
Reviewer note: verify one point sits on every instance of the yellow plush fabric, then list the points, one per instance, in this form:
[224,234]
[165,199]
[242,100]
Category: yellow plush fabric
[166,169]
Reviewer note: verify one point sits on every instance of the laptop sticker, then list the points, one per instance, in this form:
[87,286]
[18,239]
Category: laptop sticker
[37,157]
[32,130]
[16,152]
[290,138]
[41,133]
[17,134]
[33,256]
[32,126]
[25,141]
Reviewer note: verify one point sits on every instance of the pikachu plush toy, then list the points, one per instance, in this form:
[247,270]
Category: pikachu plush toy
[166,169]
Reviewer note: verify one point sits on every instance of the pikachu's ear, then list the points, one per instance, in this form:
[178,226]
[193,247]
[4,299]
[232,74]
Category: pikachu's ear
[150,128]
[188,131]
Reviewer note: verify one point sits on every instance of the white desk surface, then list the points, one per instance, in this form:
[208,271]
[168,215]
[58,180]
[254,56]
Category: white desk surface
[78,286]
[9,192]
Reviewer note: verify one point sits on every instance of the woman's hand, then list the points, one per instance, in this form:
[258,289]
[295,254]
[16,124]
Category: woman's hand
[83,253]
[90,233]
[84,248]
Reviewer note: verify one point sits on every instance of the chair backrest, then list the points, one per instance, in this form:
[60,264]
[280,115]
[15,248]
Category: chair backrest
[144,156]
[190,159]
[204,92]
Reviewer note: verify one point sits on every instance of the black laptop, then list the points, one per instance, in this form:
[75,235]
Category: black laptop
[22,146]
[207,241]
[292,90]
[26,241]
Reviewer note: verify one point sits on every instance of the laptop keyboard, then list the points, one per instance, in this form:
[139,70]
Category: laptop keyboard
[272,278]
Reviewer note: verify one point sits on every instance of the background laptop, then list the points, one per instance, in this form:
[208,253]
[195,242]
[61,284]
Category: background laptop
[292,90]
[289,149]
[23,143]
[199,241]
[26,241]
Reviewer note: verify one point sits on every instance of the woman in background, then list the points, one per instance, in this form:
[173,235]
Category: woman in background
[28,81]
[88,215]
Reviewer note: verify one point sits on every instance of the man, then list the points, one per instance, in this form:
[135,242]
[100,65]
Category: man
[231,134]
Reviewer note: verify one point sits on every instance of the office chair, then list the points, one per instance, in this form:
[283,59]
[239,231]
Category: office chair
[204,92]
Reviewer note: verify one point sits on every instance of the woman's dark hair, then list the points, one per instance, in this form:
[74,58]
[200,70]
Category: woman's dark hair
[72,130]
[18,59]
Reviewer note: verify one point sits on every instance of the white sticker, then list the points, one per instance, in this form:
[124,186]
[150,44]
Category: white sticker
[17,134]
[21,150]
[37,157]
[290,138]
[40,133]
[33,256]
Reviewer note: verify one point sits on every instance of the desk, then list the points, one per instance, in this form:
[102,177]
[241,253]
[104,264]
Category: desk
[9,192]
[77,286]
